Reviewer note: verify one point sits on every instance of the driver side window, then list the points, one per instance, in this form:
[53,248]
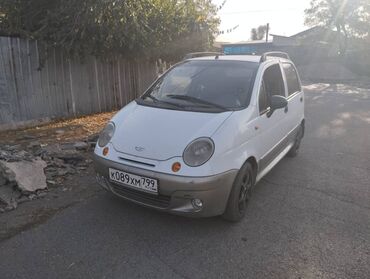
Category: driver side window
[272,84]
[263,100]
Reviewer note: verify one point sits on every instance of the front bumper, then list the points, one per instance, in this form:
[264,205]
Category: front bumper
[175,192]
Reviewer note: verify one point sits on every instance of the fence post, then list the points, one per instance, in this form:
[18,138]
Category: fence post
[71,85]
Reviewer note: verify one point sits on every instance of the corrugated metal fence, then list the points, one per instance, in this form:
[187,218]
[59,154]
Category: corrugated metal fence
[62,87]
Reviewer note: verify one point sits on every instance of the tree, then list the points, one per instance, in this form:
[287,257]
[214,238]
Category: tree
[258,33]
[348,17]
[254,35]
[130,27]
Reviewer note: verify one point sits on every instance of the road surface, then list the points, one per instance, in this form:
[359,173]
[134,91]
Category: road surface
[308,218]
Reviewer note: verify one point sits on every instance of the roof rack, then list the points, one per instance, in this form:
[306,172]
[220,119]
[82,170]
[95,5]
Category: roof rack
[201,54]
[274,54]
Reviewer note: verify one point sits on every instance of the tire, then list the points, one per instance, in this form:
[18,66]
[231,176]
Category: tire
[240,194]
[293,152]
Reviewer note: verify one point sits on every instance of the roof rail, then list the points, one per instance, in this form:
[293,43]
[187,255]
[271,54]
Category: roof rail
[274,54]
[201,54]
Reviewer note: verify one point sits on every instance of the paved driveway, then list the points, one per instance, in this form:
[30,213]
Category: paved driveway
[308,218]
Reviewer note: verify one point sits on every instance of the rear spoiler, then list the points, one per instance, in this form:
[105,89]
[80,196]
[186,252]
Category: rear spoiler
[274,54]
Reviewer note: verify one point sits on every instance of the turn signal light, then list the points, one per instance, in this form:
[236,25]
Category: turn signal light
[176,167]
[105,151]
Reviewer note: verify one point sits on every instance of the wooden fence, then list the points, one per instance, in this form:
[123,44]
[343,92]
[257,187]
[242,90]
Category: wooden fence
[62,87]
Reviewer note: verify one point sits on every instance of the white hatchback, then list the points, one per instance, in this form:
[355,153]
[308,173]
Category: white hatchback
[204,133]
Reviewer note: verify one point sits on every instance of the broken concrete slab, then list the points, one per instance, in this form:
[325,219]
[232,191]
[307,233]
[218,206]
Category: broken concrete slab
[8,195]
[29,176]
[14,156]
[27,137]
[68,146]
[70,157]
[81,145]
[93,138]
[34,144]
[2,180]
[52,149]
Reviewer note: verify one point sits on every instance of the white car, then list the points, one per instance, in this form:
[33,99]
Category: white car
[204,133]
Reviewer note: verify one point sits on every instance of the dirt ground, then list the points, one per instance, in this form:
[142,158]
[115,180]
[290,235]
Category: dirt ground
[59,196]
[59,131]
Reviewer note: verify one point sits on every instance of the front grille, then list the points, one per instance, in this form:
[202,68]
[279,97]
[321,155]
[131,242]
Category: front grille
[149,199]
[137,162]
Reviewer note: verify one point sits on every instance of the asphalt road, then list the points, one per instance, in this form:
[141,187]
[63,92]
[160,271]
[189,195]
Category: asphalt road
[308,218]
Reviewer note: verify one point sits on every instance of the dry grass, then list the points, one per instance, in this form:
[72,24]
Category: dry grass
[59,131]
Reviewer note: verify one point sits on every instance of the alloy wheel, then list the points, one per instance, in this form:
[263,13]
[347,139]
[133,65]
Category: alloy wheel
[246,185]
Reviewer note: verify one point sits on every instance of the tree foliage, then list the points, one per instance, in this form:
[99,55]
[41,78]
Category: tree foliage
[348,17]
[152,28]
[258,33]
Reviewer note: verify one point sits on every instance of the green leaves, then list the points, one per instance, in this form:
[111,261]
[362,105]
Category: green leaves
[350,16]
[133,28]
[258,33]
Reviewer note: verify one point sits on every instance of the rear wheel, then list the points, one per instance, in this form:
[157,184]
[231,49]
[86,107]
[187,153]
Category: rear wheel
[240,194]
[293,152]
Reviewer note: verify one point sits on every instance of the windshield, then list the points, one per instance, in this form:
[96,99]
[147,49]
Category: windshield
[205,85]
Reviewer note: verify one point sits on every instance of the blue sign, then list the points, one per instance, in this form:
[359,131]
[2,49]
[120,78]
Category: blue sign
[239,49]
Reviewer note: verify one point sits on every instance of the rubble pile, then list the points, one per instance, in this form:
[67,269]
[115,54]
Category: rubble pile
[26,172]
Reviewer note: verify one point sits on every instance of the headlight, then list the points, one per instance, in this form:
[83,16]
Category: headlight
[106,134]
[198,152]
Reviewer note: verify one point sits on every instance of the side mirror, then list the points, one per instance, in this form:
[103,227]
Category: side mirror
[277,102]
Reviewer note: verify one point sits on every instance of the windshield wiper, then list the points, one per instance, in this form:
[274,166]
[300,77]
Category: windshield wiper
[156,101]
[195,100]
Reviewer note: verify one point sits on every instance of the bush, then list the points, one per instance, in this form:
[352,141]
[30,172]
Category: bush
[150,28]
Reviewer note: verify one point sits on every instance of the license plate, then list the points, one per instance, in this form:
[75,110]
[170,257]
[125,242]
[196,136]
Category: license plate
[141,182]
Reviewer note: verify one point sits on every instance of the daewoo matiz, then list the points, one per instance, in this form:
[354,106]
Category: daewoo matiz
[204,133]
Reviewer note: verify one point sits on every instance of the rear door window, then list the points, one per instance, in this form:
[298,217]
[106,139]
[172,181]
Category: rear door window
[291,78]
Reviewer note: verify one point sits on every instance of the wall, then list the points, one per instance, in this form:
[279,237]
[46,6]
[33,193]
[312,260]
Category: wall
[284,41]
[62,87]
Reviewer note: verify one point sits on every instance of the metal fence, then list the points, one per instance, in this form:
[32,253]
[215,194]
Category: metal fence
[62,87]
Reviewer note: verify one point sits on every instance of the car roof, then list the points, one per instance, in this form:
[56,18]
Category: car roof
[245,58]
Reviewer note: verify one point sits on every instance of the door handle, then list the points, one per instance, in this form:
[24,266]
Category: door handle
[301,99]
[286,109]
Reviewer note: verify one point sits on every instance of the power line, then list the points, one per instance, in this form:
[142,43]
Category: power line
[221,6]
[227,30]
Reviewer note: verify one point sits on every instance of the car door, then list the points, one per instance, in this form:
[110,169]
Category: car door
[272,129]
[295,96]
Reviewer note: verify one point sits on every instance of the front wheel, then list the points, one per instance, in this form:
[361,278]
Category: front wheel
[240,194]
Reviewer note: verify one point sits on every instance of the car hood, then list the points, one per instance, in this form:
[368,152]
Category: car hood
[160,134]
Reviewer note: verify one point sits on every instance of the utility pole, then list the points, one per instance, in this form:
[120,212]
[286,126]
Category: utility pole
[267,31]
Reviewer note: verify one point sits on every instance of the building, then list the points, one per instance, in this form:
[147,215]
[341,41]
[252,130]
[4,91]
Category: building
[252,47]
[315,34]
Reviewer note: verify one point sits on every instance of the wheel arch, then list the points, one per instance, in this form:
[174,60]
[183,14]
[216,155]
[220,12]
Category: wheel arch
[303,125]
[253,161]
